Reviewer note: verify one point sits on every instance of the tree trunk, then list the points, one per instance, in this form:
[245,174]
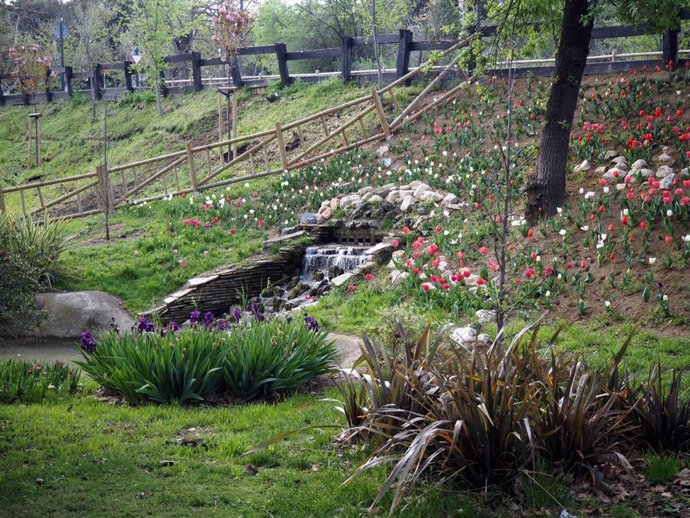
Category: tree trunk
[159,104]
[546,187]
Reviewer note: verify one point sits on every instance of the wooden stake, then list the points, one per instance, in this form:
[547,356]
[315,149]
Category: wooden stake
[281,146]
[192,168]
[40,198]
[382,114]
[234,124]
[2,202]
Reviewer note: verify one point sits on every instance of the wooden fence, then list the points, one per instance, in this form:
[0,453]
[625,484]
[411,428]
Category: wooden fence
[240,159]
[123,75]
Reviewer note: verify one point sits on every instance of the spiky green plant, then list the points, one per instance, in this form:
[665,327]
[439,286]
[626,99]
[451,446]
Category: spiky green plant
[31,382]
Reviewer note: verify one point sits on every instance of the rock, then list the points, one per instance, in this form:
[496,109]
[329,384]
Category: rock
[583,167]
[667,181]
[431,196]
[382,150]
[638,165]
[381,252]
[611,153]
[646,173]
[413,185]
[685,172]
[286,231]
[308,218]
[365,190]
[342,279]
[600,170]
[422,187]
[665,159]
[349,200]
[621,186]
[450,199]
[484,339]
[464,335]
[386,162]
[375,199]
[485,316]
[407,203]
[663,171]
[398,277]
[393,197]
[385,190]
[614,173]
[620,162]
[335,203]
[68,315]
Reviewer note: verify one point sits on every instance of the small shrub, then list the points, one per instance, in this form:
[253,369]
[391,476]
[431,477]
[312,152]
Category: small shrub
[274,357]
[32,382]
[177,367]
[661,469]
[482,417]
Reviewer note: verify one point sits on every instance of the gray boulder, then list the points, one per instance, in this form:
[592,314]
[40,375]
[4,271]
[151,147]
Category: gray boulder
[68,315]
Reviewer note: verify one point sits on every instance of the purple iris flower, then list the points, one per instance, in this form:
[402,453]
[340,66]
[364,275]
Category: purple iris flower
[88,342]
[236,315]
[145,325]
[208,319]
[312,324]
[194,317]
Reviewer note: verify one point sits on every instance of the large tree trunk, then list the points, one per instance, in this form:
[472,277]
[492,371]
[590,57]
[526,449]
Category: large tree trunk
[546,187]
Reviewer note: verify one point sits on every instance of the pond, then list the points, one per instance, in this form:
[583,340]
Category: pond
[40,349]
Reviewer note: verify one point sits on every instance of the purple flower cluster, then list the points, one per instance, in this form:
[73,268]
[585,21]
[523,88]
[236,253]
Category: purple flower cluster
[88,342]
[312,324]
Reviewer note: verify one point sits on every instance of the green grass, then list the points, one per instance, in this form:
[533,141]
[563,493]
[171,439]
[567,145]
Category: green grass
[97,459]
[141,263]
[661,469]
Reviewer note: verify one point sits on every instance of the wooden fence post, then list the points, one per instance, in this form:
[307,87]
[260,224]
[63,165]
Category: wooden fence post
[382,114]
[281,54]
[49,92]
[68,75]
[3,209]
[669,48]
[163,84]
[128,75]
[97,82]
[192,167]
[236,73]
[196,71]
[346,59]
[281,145]
[404,48]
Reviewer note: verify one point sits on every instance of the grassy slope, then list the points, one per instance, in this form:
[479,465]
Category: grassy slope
[140,265]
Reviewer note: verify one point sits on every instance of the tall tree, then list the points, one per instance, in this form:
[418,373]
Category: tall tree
[546,187]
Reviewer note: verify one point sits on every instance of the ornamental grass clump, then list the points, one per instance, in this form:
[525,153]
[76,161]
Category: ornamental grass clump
[245,361]
[275,357]
[32,382]
[484,417]
[174,368]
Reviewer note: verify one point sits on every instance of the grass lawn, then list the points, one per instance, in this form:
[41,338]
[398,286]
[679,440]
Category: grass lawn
[82,457]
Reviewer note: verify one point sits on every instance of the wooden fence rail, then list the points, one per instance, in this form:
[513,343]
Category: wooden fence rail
[95,84]
[196,168]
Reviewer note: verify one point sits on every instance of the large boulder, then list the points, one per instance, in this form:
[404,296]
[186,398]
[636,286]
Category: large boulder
[69,314]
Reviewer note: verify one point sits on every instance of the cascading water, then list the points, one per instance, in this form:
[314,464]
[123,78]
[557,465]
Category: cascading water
[329,261]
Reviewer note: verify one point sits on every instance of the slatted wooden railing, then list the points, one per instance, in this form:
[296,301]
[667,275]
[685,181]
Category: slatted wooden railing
[240,159]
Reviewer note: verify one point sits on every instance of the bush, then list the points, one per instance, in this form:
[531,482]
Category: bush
[177,367]
[482,417]
[274,357]
[29,383]
[29,255]
[246,362]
